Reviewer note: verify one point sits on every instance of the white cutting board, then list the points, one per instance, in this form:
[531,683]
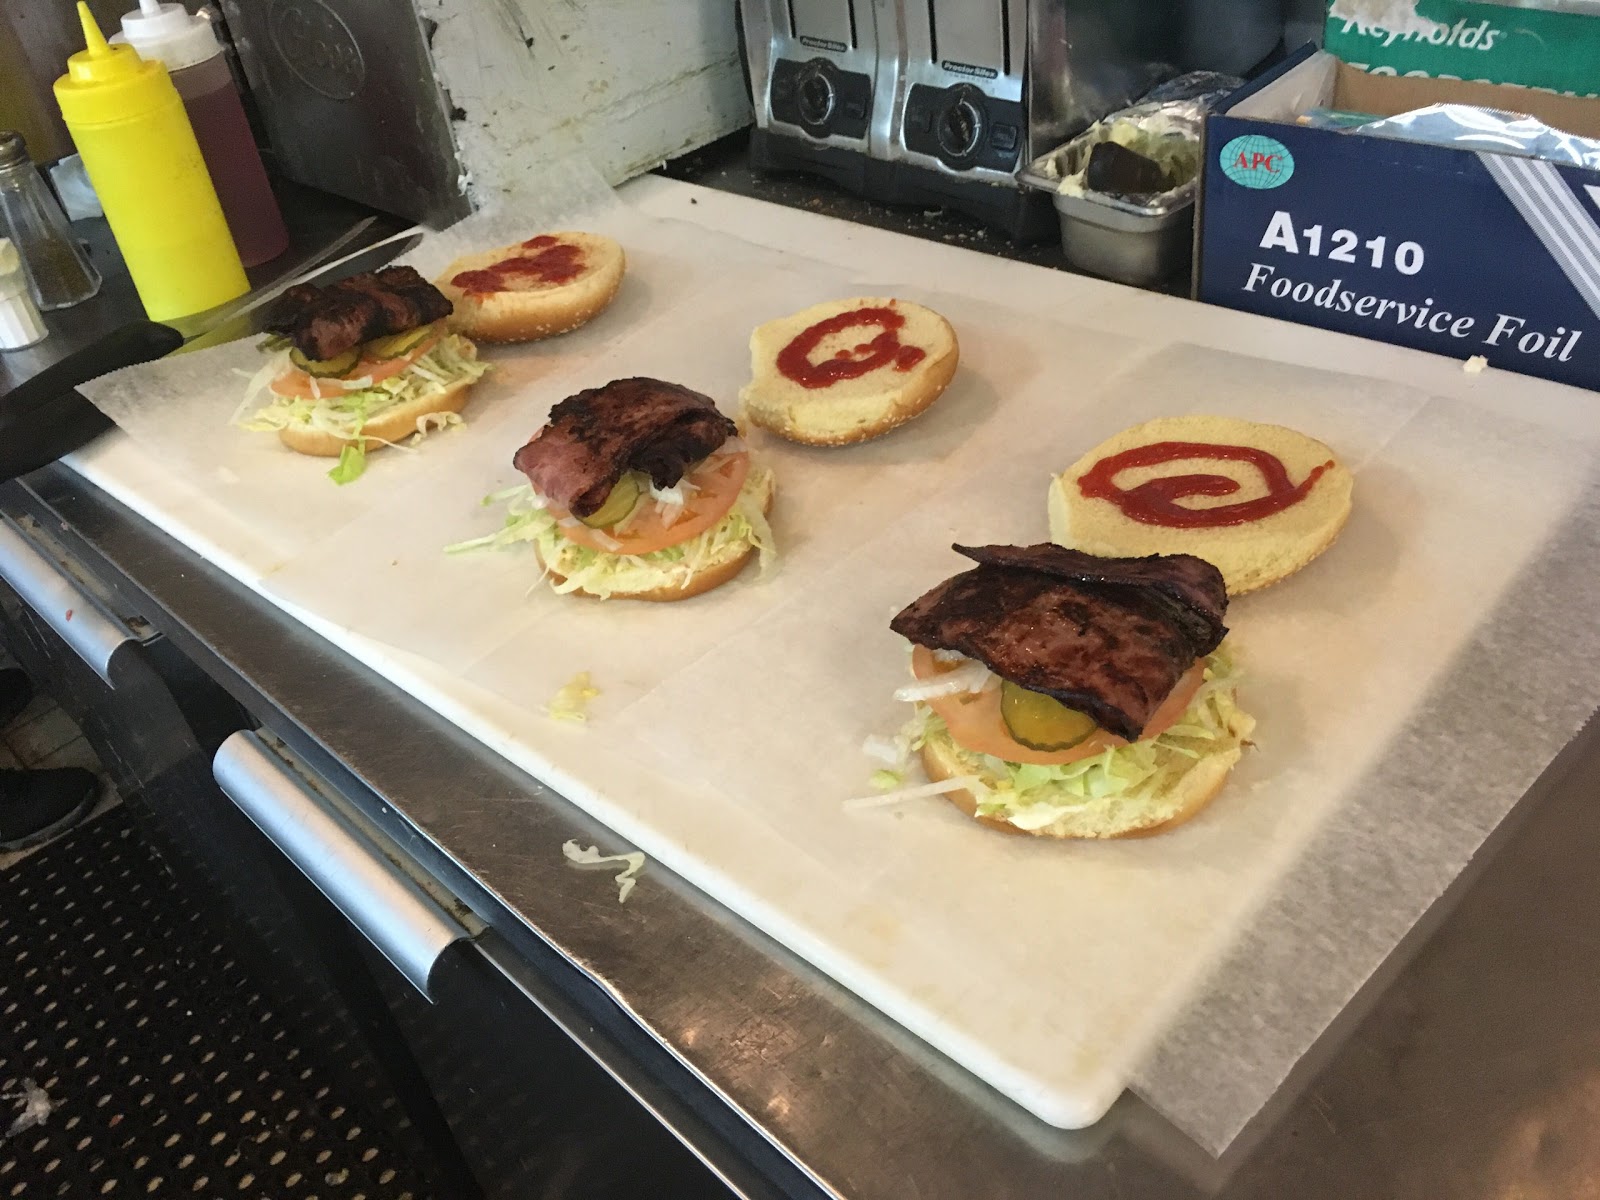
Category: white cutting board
[728,731]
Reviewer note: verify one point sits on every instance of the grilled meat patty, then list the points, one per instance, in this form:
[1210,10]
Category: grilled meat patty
[324,322]
[595,436]
[1110,637]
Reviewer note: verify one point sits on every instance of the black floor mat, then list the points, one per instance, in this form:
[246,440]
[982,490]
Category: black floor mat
[157,1064]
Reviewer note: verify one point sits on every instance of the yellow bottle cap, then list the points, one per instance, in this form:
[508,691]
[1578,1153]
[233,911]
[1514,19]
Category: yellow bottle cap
[107,83]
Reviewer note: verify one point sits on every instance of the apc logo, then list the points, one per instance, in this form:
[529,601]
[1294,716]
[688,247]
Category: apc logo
[1254,161]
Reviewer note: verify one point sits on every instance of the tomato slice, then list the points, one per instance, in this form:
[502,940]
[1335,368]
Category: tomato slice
[717,480]
[974,720]
[296,384]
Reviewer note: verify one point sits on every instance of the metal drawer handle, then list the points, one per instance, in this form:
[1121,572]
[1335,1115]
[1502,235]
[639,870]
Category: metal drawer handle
[61,603]
[406,925]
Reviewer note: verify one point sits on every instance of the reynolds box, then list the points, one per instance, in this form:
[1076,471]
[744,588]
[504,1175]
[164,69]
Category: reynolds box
[1459,249]
[1542,47]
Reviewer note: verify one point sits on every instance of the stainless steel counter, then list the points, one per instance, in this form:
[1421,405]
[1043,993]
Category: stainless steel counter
[1477,1073]
[1472,1071]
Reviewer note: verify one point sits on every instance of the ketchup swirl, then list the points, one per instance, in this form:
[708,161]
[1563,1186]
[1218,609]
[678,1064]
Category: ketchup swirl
[554,261]
[1155,501]
[794,360]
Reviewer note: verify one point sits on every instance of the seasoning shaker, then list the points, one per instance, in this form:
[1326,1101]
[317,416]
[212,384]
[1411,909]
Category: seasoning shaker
[58,273]
[20,323]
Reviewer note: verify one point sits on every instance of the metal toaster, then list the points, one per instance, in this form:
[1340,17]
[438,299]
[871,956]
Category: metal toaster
[939,102]
[821,79]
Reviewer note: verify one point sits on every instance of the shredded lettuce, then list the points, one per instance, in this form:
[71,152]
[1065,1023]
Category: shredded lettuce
[571,702]
[1032,797]
[886,780]
[345,414]
[352,462]
[590,856]
[601,573]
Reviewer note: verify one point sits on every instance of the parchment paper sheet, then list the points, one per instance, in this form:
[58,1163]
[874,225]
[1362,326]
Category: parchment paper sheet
[180,408]
[1337,659]
[1045,966]
[482,613]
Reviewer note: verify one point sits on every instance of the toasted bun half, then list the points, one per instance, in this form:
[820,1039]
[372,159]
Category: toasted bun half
[534,309]
[392,425]
[701,581]
[713,576]
[849,410]
[1251,555]
[1187,795]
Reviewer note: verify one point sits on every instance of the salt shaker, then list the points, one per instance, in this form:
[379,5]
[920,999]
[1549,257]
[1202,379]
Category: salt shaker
[58,273]
[20,324]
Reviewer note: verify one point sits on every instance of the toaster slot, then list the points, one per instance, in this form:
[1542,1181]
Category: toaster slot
[824,24]
[967,36]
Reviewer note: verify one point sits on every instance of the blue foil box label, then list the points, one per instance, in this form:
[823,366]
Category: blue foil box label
[1438,248]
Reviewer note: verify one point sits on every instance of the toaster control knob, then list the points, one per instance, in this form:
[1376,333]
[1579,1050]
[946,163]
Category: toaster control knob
[960,127]
[817,96]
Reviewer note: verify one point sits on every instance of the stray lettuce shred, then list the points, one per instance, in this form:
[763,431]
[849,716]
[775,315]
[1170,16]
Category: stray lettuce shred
[345,414]
[571,703]
[352,462]
[1032,797]
[590,856]
[602,573]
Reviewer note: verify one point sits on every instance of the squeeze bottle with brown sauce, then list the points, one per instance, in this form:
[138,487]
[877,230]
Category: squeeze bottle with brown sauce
[188,47]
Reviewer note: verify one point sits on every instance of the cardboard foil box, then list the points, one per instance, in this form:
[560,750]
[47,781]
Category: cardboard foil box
[1458,251]
[1468,39]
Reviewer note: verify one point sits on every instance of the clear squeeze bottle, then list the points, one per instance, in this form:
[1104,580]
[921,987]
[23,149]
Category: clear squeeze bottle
[188,47]
[141,155]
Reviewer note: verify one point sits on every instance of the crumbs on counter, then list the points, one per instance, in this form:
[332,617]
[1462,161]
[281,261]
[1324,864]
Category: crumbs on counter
[571,703]
[590,856]
[1476,365]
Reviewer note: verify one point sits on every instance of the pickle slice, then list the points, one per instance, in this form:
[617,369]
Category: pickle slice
[624,495]
[326,368]
[396,344]
[1042,722]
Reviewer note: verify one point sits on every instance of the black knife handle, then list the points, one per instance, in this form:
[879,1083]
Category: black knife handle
[45,417]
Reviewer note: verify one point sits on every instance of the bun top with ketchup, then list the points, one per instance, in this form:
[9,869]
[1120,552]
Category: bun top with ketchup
[1259,501]
[1065,695]
[639,488]
[549,284]
[848,370]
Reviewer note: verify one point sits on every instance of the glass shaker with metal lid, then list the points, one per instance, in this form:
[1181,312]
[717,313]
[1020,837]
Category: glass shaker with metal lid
[59,275]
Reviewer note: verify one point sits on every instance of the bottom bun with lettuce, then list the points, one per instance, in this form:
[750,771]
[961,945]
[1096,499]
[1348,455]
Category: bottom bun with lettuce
[641,490]
[360,364]
[1062,695]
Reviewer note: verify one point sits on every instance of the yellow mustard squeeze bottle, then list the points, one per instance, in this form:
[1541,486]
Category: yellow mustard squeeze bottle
[142,158]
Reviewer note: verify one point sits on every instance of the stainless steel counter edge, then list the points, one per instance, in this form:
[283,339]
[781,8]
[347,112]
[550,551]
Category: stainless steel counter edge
[785,1047]
[407,925]
[869,1110]
[226,630]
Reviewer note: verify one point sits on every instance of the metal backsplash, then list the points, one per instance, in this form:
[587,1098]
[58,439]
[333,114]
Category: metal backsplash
[347,92]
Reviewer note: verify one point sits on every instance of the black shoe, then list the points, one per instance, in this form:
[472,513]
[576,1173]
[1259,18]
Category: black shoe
[37,805]
[16,689]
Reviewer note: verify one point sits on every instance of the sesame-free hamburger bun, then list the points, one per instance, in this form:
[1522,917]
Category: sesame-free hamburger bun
[848,370]
[1251,553]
